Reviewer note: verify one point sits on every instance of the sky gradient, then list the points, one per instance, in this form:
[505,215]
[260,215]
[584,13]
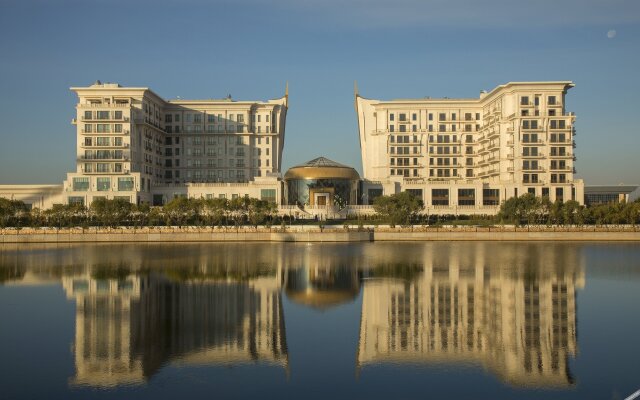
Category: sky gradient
[250,48]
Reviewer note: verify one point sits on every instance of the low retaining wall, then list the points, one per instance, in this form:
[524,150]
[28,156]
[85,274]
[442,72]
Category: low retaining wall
[89,236]
[313,234]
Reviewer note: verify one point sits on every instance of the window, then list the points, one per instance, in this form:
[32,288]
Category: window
[76,200]
[103,184]
[440,197]
[551,100]
[402,117]
[268,195]
[117,114]
[524,100]
[125,184]
[466,197]
[102,114]
[490,197]
[103,128]
[80,184]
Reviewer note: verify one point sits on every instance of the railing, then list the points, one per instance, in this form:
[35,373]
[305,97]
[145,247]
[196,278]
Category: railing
[104,105]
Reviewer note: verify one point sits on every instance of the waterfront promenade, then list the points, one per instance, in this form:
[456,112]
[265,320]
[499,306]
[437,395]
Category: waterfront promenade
[313,233]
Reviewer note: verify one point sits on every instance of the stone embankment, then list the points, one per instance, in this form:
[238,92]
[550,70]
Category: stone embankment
[311,233]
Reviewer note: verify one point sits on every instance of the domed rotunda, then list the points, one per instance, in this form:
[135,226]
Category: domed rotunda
[321,182]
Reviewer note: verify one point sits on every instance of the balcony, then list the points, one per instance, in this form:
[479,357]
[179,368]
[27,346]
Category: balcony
[112,156]
[533,169]
[539,155]
[566,168]
[104,105]
[532,142]
[566,141]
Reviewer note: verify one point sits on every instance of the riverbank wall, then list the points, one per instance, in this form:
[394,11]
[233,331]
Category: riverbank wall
[315,234]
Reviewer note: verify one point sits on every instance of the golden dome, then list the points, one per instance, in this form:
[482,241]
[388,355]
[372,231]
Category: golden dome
[321,168]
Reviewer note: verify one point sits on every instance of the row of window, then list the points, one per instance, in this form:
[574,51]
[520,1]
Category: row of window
[198,140]
[103,168]
[217,129]
[90,115]
[403,117]
[198,118]
[102,128]
[213,176]
[526,100]
[103,141]
[441,128]
[103,184]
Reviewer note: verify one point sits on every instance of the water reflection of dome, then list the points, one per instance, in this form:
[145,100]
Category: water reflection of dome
[320,287]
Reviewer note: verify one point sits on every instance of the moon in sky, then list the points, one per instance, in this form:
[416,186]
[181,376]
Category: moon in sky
[611,34]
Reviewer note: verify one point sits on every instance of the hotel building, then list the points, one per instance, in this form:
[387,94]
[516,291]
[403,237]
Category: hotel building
[133,144]
[471,154]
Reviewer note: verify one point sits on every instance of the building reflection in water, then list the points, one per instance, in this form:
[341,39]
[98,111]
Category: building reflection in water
[508,307]
[215,309]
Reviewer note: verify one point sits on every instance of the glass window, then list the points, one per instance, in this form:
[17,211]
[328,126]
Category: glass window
[80,184]
[103,184]
[77,200]
[125,184]
[268,195]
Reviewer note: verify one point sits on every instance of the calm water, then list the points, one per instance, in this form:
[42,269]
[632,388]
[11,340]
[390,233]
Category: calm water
[371,320]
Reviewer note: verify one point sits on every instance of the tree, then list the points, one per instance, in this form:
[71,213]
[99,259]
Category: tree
[398,208]
[62,215]
[11,211]
[111,212]
[571,212]
[182,210]
[259,210]
[216,210]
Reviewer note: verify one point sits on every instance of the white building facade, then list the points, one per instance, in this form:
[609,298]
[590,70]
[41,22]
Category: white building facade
[133,144]
[466,156]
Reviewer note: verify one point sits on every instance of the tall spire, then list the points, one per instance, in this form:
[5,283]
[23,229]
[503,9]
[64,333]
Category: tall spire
[355,88]
[286,89]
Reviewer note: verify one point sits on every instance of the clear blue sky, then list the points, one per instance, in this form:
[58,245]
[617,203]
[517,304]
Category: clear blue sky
[250,48]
